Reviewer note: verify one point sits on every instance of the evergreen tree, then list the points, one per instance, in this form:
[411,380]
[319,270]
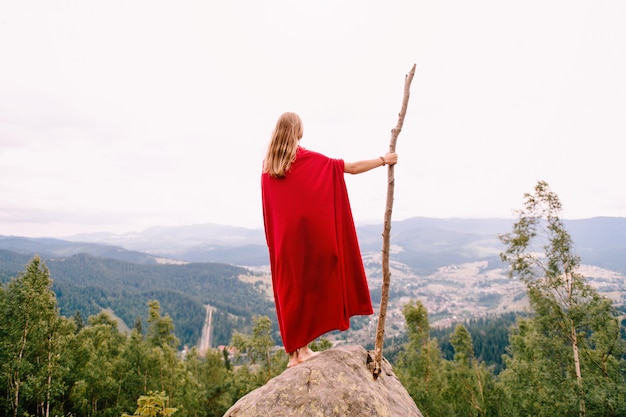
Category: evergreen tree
[79,321]
[165,367]
[160,328]
[420,366]
[471,389]
[466,382]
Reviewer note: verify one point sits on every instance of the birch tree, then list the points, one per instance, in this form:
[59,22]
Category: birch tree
[30,341]
[566,308]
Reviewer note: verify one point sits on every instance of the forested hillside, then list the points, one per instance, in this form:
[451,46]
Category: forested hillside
[513,346]
[88,284]
[52,365]
[453,265]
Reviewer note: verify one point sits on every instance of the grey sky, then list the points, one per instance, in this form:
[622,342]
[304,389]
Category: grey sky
[121,115]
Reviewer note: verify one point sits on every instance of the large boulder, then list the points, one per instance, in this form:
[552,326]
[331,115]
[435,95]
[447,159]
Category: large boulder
[337,382]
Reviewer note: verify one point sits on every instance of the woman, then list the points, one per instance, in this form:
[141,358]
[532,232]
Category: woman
[317,273]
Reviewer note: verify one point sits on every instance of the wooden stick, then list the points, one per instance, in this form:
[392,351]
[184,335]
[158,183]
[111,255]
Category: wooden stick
[380,331]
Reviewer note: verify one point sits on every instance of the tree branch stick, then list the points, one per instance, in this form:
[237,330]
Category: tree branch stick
[380,331]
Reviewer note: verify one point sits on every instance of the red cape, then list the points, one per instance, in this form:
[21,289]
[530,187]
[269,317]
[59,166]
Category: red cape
[317,272]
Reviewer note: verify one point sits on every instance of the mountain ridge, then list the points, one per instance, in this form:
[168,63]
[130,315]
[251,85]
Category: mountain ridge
[451,264]
[426,243]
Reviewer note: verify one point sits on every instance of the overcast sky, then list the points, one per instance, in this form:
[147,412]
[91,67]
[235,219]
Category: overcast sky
[121,115]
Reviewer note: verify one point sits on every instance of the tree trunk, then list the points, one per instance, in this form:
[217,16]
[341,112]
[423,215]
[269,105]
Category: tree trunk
[49,377]
[17,377]
[579,377]
[569,280]
[380,331]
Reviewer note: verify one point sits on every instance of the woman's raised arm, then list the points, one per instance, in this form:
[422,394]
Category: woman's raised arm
[359,167]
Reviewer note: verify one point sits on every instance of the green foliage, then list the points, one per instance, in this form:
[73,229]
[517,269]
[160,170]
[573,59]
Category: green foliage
[89,368]
[89,284]
[320,344]
[420,366]
[441,387]
[51,365]
[153,404]
[259,349]
[564,358]
[161,328]
[538,379]
[31,341]
[490,337]
[572,344]
[96,352]
[470,388]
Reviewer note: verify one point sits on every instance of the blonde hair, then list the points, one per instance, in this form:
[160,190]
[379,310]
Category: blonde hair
[281,152]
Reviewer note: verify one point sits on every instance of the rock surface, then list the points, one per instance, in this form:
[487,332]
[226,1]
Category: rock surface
[337,382]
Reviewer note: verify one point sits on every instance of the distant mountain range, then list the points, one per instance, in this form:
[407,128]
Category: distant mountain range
[424,244]
[189,267]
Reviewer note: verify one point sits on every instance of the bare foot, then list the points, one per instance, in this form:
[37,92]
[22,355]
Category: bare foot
[305,353]
[293,358]
[300,355]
